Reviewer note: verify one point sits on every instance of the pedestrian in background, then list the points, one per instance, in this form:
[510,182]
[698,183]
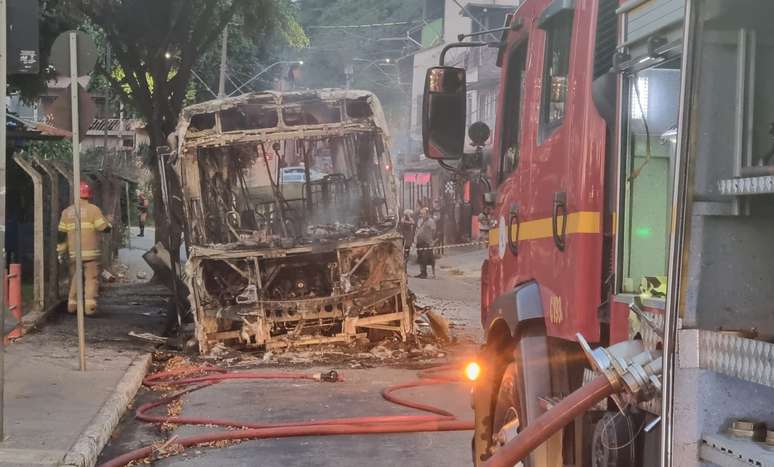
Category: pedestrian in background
[142,209]
[424,239]
[407,228]
[92,222]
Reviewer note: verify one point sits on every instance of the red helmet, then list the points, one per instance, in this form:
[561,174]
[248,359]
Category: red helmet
[85,190]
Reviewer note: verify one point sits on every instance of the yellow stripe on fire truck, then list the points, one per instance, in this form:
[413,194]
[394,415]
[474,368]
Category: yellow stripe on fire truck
[581,222]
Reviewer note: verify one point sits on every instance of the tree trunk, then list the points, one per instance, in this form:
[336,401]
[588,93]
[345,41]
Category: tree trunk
[168,228]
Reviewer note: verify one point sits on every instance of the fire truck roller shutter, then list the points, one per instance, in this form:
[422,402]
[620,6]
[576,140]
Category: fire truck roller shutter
[516,306]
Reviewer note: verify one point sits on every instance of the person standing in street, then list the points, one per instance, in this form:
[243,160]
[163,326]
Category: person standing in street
[406,228]
[92,223]
[142,209]
[424,239]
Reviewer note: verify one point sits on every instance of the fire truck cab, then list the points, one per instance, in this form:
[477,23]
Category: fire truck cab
[632,176]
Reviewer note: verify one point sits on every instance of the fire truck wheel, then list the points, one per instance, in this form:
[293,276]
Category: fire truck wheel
[614,442]
[505,424]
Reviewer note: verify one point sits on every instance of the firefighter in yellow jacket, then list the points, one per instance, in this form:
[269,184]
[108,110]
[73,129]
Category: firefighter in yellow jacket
[92,223]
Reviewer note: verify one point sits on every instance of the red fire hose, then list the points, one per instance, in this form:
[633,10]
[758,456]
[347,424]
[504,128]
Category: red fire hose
[439,420]
[550,422]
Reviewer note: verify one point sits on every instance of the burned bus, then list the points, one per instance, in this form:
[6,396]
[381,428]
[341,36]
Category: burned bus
[291,216]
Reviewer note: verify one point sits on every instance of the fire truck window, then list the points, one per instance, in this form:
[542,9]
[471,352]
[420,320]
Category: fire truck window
[651,137]
[556,71]
[514,87]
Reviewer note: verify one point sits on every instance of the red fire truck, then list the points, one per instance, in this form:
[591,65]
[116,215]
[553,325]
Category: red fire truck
[631,207]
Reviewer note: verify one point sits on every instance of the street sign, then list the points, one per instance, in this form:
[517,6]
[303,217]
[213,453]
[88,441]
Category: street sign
[22,31]
[62,113]
[86,53]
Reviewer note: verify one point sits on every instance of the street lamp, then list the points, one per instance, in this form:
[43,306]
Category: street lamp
[294,62]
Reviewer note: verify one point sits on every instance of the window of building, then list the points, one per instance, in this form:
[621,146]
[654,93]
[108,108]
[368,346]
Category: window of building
[486,107]
[512,110]
[556,71]
[128,142]
[486,18]
[470,110]
[418,115]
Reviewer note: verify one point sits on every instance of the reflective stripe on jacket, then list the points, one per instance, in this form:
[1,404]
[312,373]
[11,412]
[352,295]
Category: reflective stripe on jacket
[92,222]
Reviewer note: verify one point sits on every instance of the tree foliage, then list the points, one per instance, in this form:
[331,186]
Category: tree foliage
[156,44]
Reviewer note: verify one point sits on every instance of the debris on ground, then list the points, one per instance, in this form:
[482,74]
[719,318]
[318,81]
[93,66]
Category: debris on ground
[142,275]
[439,325]
[119,271]
[148,337]
[107,276]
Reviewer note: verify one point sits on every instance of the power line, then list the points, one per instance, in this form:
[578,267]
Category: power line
[355,26]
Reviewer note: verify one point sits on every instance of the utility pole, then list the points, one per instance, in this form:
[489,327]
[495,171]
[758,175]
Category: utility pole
[3,116]
[76,199]
[107,98]
[223,60]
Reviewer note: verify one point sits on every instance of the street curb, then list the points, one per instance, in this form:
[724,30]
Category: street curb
[85,451]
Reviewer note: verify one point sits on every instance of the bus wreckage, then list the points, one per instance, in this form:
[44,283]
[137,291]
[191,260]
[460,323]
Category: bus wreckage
[290,209]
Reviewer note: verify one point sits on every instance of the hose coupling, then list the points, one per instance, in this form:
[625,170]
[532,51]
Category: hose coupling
[629,367]
[331,376]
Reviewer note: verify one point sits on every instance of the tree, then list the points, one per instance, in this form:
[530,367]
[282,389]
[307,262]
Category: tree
[156,43]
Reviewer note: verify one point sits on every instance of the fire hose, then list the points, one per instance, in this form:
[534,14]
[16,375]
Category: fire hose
[625,367]
[437,420]
[537,432]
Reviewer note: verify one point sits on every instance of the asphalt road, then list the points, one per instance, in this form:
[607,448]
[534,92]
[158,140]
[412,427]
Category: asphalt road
[454,293]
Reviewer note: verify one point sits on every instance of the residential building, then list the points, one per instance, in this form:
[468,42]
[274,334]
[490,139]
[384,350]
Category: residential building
[47,115]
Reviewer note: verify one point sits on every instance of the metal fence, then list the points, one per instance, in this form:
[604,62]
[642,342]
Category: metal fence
[51,192]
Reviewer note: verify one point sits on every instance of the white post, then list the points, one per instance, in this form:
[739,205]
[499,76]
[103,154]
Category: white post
[3,149]
[223,60]
[77,198]
[128,218]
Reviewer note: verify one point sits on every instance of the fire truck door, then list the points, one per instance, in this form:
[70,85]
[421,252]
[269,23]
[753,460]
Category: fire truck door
[510,254]
[564,223]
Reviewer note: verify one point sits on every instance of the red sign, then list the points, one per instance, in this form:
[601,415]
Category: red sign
[418,178]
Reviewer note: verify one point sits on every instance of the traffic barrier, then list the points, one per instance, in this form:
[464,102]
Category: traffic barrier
[13,297]
[452,245]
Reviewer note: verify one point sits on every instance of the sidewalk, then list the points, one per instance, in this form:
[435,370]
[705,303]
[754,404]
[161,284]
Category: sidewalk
[57,415]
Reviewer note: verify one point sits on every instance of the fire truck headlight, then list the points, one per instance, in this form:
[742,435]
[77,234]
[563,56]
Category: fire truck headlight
[472,371]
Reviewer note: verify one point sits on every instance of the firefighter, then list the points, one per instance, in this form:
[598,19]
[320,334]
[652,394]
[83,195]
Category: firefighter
[92,222]
[424,239]
[142,208]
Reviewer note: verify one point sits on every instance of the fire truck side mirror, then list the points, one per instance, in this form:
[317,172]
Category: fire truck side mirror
[444,113]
